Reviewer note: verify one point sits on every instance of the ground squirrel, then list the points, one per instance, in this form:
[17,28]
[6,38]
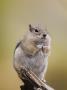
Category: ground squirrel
[32,51]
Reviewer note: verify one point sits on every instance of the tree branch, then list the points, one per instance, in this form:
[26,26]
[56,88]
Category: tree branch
[31,81]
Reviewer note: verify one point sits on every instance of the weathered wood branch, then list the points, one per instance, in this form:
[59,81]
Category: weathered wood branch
[31,81]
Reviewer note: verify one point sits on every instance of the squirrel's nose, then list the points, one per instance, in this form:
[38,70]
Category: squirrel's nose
[44,35]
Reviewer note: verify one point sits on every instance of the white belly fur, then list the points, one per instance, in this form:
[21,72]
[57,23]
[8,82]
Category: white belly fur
[37,63]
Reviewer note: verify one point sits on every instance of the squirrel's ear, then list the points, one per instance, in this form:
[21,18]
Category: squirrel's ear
[30,27]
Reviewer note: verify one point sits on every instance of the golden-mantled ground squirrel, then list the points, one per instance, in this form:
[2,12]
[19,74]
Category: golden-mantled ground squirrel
[33,51]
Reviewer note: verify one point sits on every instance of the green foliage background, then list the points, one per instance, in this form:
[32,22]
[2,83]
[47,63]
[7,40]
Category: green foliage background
[15,15]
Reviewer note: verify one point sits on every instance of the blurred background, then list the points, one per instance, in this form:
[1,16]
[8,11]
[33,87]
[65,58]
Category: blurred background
[15,16]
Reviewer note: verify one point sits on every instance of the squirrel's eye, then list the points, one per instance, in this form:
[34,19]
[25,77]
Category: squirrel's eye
[36,30]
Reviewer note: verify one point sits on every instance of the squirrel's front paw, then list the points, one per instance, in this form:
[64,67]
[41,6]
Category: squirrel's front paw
[39,46]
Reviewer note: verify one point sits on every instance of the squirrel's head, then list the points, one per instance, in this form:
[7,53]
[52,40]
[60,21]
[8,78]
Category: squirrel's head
[36,38]
[39,36]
